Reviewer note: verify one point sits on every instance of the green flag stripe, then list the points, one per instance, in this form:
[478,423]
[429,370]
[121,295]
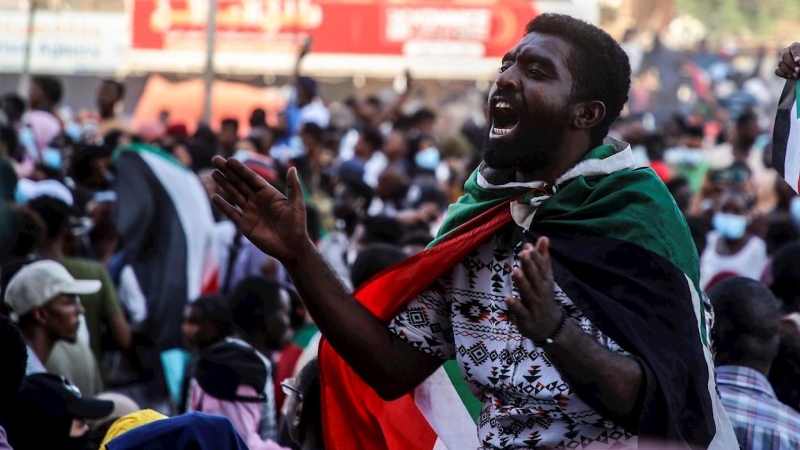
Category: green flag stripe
[472,404]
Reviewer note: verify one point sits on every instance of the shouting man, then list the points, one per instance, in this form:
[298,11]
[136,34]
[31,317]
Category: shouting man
[564,283]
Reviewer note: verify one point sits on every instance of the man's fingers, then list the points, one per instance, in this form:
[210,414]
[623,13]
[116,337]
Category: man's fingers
[234,214]
[226,167]
[794,49]
[245,180]
[519,312]
[295,190]
[784,70]
[229,189]
[523,278]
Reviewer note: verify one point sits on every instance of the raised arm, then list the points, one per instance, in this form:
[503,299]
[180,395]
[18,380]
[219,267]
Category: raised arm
[276,225]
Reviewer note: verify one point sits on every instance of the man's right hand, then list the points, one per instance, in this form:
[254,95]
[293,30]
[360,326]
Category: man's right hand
[789,62]
[274,223]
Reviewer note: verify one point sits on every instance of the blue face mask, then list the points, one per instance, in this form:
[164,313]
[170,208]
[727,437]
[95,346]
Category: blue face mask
[52,157]
[427,158]
[794,210]
[730,226]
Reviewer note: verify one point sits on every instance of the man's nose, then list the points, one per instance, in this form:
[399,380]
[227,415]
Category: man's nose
[508,79]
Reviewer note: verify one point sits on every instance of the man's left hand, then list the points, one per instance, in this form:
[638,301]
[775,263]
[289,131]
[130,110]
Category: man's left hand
[535,313]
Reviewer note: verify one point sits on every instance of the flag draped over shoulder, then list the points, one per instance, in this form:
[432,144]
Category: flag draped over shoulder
[786,136]
[621,251]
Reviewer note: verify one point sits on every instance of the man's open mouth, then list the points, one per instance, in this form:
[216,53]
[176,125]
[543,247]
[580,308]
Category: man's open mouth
[504,119]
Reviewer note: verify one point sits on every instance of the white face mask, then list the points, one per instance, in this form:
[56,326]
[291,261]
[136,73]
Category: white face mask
[427,158]
[730,226]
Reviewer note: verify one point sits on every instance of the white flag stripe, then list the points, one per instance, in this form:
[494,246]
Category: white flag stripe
[792,164]
[441,405]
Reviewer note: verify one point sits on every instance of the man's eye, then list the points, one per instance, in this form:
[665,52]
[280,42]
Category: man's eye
[535,73]
[504,67]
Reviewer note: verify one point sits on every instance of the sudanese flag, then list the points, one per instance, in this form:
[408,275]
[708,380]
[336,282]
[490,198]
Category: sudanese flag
[786,136]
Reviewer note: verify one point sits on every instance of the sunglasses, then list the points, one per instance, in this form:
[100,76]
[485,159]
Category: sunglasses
[289,389]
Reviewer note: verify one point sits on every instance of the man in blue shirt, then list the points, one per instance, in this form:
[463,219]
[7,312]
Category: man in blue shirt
[746,336]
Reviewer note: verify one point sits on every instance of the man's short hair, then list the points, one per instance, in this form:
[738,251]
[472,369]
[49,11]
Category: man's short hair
[372,260]
[118,86]
[600,67]
[231,123]
[253,300]
[51,87]
[308,385]
[14,100]
[786,276]
[746,320]
[312,130]
[372,137]
[215,309]
[15,357]
[53,212]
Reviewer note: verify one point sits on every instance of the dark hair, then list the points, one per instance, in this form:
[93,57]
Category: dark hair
[82,158]
[15,355]
[313,131]
[215,309]
[14,100]
[746,321]
[308,385]
[372,260]
[746,117]
[599,66]
[252,301]
[117,85]
[258,118]
[372,137]
[699,227]
[54,212]
[655,146]
[51,88]
[25,230]
[423,114]
[383,229]
[230,122]
[779,233]
[786,276]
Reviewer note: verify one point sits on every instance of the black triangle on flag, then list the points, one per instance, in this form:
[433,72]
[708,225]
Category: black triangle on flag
[786,136]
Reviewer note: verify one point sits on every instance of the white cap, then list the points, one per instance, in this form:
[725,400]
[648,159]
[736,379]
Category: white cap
[28,190]
[38,283]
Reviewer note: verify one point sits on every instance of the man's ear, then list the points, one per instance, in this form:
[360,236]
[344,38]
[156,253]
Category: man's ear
[40,315]
[588,114]
[790,325]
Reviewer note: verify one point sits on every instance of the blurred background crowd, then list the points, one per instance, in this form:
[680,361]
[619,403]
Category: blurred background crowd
[187,306]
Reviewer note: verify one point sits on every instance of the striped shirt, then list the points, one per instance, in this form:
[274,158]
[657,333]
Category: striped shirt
[760,421]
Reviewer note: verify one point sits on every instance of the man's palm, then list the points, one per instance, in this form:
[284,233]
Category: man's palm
[274,223]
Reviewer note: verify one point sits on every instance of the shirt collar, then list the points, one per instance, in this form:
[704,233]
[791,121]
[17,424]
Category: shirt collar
[744,378]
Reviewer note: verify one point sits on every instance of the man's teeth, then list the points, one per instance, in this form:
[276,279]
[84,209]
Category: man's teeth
[503,105]
[501,131]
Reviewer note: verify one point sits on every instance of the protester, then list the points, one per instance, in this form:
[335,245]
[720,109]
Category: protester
[234,377]
[50,412]
[785,373]
[109,97]
[191,431]
[43,298]
[746,340]
[304,416]
[228,136]
[731,249]
[15,356]
[550,108]
[40,122]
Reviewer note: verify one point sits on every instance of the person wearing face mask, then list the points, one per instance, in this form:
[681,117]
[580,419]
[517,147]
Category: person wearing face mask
[731,249]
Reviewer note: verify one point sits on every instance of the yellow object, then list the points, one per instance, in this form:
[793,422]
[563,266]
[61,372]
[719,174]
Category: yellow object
[129,422]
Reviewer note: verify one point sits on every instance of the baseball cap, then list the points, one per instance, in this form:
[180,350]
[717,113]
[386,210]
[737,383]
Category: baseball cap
[50,399]
[38,283]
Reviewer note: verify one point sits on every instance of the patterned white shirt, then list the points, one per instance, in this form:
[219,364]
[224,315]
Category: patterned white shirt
[526,402]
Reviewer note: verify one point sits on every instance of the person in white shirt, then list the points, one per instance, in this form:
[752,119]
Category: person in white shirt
[731,249]
[43,299]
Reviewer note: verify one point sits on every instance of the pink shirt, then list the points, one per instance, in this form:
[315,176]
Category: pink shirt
[245,416]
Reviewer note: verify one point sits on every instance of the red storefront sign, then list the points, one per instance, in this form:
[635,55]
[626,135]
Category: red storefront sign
[478,28]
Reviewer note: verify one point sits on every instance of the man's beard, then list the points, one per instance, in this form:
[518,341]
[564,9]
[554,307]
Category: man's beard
[534,146]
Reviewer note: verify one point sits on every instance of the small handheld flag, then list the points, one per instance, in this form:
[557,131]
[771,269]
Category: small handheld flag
[786,137]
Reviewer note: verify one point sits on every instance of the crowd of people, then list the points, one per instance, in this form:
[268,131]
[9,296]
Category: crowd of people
[136,310]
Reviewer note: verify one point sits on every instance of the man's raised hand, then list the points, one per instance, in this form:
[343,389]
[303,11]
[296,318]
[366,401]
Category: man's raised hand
[789,62]
[274,223]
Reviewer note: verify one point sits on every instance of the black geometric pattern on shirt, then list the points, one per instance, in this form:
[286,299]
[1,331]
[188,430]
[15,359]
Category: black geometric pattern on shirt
[522,407]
